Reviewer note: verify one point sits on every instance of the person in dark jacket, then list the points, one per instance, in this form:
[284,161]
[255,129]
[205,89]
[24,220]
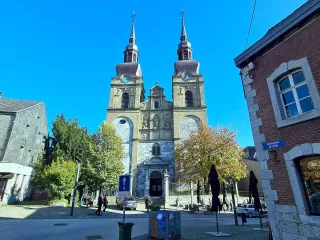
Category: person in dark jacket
[100,202]
[105,202]
[148,203]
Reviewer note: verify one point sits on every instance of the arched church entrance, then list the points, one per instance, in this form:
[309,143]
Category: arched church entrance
[155,184]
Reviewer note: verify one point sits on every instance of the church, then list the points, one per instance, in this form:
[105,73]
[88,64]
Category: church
[151,127]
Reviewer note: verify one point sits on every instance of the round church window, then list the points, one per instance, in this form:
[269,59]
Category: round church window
[122,121]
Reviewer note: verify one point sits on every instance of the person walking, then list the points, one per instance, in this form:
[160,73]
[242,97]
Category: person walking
[100,202]
[148,202]
[105,202]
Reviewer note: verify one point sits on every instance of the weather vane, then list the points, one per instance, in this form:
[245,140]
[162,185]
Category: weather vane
[133,16]
[182,14]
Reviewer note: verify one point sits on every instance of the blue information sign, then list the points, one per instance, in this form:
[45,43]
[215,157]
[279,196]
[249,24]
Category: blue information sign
[274,144]
[124,183]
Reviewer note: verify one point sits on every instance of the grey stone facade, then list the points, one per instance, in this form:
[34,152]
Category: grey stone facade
[23,129]
[156,124]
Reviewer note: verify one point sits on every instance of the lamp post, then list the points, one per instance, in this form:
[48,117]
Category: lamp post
[75,188]
[233,203]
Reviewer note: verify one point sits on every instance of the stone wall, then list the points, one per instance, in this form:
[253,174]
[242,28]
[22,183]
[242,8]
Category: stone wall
[27,136]
[124,129]
[6,123]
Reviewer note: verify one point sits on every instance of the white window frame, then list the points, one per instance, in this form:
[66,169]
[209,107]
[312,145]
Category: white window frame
[293,87]
[284,69]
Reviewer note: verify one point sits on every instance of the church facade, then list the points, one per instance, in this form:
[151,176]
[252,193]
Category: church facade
[151,127]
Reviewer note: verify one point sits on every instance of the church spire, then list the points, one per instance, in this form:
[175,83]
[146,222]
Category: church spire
[183,37]
[131,53]
[184,48]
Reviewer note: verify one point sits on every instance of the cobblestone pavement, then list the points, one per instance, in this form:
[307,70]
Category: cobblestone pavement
[198,232]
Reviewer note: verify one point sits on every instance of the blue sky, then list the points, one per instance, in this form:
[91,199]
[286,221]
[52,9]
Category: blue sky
[65,52]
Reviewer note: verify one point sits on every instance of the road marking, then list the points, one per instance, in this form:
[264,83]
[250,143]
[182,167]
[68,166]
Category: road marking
[60,224]
[94,237]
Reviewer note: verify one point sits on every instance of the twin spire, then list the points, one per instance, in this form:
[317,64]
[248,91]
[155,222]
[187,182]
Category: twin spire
[184,51]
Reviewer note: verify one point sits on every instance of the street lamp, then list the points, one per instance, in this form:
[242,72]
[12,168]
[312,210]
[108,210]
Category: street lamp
[75,188]
[233,203]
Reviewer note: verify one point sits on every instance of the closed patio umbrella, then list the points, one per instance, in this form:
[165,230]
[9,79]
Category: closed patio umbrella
[215,190]
[254,193]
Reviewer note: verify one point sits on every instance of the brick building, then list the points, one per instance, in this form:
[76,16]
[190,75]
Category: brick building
[281,80]
[23,128]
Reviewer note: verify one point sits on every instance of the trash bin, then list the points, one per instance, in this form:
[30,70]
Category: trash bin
[125,229]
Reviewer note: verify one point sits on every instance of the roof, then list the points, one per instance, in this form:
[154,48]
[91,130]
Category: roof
[13,106]
[299,16]
[250,150]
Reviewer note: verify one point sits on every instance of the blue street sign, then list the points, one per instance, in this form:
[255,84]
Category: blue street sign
[274,144]
[124,183]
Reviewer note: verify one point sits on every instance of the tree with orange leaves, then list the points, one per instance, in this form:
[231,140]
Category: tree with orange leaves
[194,156]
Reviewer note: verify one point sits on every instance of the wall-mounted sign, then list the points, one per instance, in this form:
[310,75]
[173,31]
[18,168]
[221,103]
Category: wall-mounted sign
[274,144]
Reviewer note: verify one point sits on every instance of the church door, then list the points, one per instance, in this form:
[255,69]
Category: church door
[155,184]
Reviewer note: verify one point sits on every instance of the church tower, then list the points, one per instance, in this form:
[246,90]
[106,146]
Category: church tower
[126,94]
[189,107]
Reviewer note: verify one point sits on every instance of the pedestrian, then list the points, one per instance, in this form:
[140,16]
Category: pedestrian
[105,202]
[148,202]
[100,202]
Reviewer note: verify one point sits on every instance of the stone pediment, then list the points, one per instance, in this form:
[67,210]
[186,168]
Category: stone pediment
[156,161]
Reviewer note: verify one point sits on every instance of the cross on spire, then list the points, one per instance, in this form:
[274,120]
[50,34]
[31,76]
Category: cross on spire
[182,14]
[133,16]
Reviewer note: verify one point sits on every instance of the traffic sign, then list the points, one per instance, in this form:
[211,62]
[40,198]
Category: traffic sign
[274,144]
[124,183]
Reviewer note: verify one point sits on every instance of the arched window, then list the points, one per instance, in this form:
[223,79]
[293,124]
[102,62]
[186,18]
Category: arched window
[156,149]
[189,99]
[156,104]
[134,57]
[129,57]
[125,100]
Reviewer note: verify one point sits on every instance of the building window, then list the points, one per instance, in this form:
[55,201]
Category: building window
[185,54]
[156,104]
[189,99]
[310,176]
[156,149]
[134,57]
[125,100]
[295,95]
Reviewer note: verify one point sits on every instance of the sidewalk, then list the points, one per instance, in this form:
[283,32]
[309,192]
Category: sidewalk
[236,233]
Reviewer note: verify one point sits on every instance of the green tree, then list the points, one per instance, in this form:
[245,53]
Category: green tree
[103,168]
[70,140]
[210,146]
[58,178]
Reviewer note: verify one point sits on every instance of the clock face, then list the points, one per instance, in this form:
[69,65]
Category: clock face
[125,78]
[187,76]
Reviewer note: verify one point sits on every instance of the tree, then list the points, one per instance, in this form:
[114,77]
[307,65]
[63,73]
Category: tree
[58,177]
[103,169]
[195,155]
[70,140]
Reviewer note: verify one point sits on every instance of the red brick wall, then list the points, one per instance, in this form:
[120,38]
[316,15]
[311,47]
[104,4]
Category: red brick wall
[304,43]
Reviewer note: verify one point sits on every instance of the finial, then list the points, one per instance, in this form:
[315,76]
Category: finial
[133,16]
[156,83]
[182,14]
